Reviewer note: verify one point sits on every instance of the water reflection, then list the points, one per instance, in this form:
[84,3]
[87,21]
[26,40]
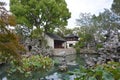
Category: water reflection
[72,60]
[59,76]
[68,59]
[53,74]
[4,78]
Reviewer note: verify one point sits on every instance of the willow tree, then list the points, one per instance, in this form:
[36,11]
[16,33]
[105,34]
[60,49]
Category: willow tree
[9,43]
[45,15]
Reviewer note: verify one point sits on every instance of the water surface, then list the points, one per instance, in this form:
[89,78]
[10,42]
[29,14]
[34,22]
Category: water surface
[73,62]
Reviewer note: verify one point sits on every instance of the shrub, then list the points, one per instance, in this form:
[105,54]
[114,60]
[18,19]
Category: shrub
[99,46]
[109,71]
[30,64]
[78,46]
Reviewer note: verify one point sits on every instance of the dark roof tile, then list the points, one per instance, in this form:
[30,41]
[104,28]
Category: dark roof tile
[55,37]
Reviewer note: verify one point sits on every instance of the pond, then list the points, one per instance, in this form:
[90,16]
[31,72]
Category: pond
[73,62]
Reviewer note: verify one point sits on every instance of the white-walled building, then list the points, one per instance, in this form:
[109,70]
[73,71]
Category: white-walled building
[55,41]
[71,40]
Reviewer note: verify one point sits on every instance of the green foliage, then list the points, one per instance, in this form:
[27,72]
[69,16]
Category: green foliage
[87,23]
[106,20]
[99,46]
[79,45]
[46,14]
[10,47]
[84,19]
[62,31]
[115,6]
[30,64]
[85,39]
[36,33]
[85,34]
[9,43]
[109,71]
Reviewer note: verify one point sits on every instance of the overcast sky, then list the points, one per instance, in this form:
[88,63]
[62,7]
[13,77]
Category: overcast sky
[83,6]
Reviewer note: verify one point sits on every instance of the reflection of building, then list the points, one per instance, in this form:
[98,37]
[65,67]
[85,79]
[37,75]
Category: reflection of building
[71,40]
[55,41]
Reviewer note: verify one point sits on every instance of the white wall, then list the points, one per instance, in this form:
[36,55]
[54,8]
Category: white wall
[71,42]
[50,41]
[64,44]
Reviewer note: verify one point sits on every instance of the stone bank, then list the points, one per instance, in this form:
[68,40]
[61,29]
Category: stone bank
[64,52]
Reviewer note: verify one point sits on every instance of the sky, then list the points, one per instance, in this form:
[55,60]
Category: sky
[7,2]
[83,6]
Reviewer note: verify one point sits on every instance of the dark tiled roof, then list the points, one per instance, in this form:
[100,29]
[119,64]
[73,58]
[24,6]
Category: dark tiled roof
[71,35]
[55,37]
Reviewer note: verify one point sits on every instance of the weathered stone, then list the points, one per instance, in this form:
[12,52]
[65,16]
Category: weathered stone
[87,51]
[72,63]
[63,68]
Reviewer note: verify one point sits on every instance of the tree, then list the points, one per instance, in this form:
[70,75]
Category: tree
[46,14]
[115,7]
[108,19]
[9,43]
[87,21]
[63,31]
[87,28]
[84,19]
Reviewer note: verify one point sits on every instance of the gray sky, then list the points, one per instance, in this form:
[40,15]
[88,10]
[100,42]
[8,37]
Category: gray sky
[83,6]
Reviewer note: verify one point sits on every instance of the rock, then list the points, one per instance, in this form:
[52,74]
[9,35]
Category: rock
[109,52]
[63,68]
[88,51]
[72,63]
[90,62]
[1,63]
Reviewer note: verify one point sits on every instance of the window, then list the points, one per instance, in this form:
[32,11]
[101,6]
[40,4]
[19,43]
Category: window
[70,45]
[29,47]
